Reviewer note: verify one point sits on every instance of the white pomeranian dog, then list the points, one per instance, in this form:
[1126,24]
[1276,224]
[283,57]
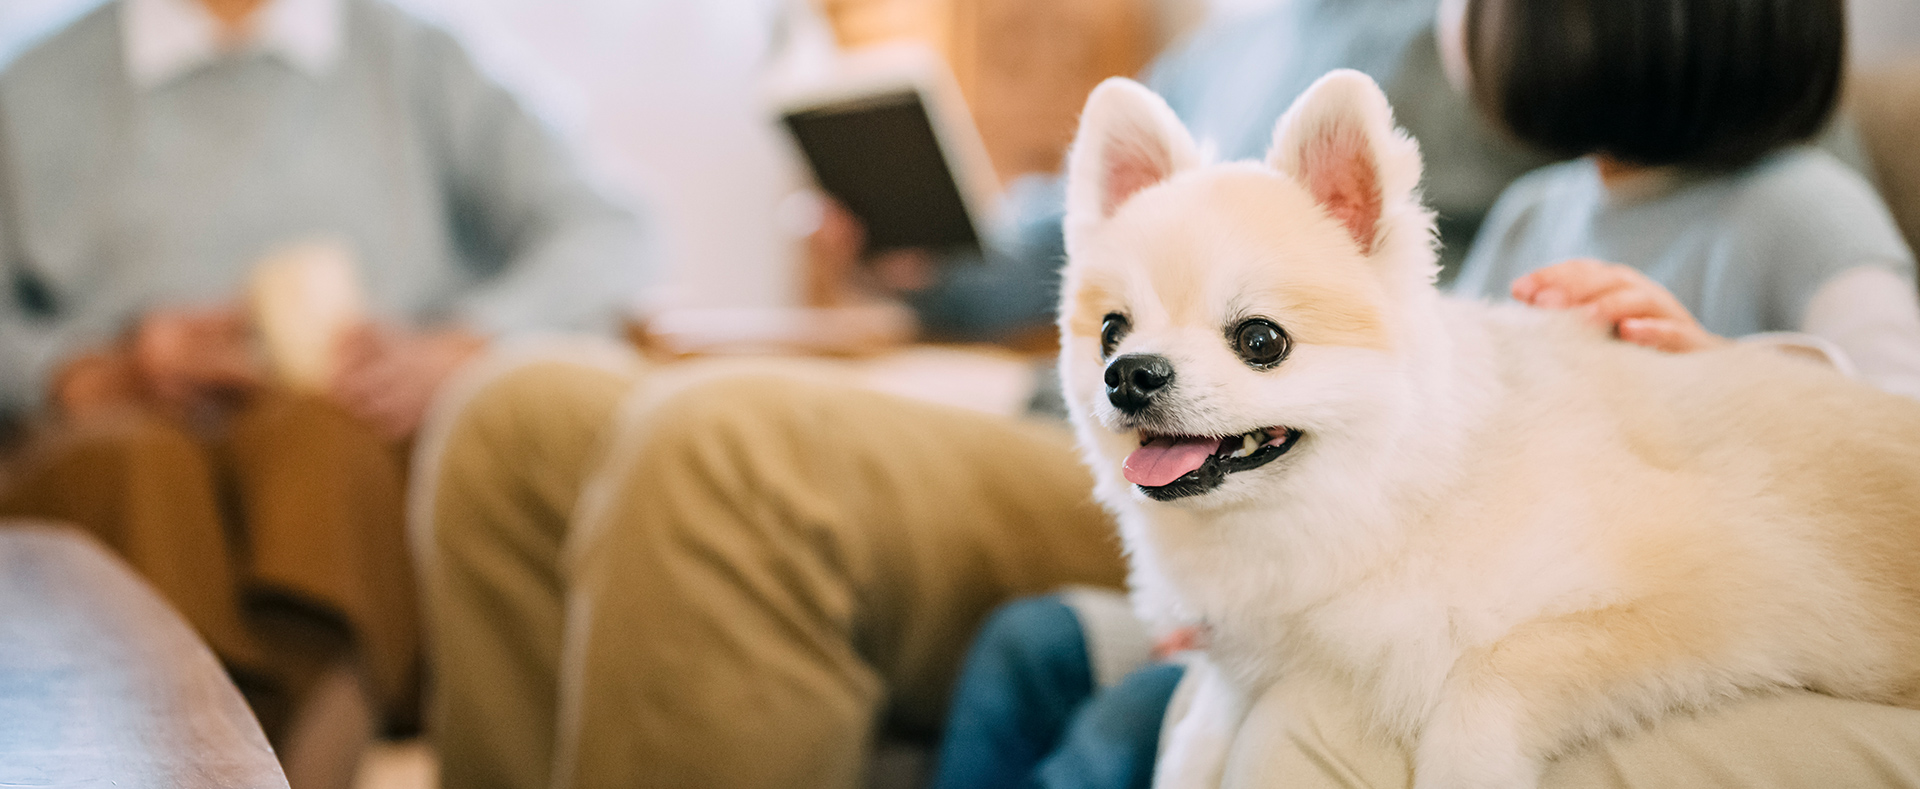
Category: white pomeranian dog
[1490,531]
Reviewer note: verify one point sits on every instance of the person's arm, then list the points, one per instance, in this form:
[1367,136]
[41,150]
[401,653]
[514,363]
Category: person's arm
[35,341]
[1864,321]
[545,251]
[548,251]
[1872,316]
[33,349]
[179,358]
[1015,284]
[1835,270]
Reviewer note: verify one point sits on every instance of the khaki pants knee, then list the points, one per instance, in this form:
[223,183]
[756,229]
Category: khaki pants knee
[768,569]
[497,473]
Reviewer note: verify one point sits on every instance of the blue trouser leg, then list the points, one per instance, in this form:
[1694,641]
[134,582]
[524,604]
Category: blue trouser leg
[1024,677]
[1026,713]
[1111,741]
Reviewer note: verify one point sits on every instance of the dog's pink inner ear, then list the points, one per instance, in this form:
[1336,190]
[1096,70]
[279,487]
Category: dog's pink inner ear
[1130,166]
[1340,172]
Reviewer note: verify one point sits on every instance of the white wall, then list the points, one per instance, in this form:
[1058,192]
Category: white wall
[1884,29]
[664,96]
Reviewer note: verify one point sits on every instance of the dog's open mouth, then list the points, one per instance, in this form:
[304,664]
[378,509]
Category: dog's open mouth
[1168,467]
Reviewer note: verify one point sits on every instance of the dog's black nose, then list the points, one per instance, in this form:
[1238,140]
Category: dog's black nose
[1134,379]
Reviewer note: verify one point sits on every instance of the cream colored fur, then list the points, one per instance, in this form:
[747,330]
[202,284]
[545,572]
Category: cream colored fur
[1502,532]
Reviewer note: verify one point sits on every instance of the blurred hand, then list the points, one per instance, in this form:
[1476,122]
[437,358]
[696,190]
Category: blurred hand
[95,383]
[387,375]
[1184,639]
[183,360]
[1637,309]
[185,356]
[840,274]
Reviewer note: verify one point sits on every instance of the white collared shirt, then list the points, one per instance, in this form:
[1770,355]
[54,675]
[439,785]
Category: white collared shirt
[164,39]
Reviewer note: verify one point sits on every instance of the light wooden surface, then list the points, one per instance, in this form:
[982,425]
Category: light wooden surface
[103,685]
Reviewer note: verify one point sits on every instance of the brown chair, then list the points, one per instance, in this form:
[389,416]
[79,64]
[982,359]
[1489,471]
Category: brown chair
[102,684]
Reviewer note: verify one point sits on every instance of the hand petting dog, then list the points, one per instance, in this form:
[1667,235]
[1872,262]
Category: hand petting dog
[1638,309]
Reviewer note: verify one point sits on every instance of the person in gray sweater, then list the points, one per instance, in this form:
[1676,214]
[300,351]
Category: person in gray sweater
[150,154]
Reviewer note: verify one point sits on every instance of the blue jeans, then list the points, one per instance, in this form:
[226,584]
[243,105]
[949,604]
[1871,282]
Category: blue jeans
[1025,712]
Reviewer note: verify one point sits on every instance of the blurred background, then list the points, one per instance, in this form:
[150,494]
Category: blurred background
[666,99]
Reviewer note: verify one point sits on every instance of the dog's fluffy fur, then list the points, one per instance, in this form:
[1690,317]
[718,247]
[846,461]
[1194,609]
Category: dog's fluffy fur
[1498,531]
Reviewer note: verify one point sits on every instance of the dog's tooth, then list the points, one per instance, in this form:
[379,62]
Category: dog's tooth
[1247,446]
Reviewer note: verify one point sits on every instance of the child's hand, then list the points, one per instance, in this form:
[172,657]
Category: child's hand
[1184,639]
[1638,309]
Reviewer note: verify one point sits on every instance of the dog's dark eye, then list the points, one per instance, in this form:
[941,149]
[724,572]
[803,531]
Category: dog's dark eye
[1261,343]
[1113,329]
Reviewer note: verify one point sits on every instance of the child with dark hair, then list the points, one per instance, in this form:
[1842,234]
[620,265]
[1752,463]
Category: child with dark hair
[1710,84]
[1683,123]
[1688,118]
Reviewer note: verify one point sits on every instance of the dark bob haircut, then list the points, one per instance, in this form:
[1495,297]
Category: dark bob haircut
[1704,83]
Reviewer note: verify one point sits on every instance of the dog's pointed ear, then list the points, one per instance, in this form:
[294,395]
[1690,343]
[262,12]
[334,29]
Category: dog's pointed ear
[1129,139]
[1338,140]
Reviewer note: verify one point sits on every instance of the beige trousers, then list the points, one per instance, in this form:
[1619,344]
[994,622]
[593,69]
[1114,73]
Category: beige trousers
[688,578]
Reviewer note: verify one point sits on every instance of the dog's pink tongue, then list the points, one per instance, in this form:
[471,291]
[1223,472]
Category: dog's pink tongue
[1167,458]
